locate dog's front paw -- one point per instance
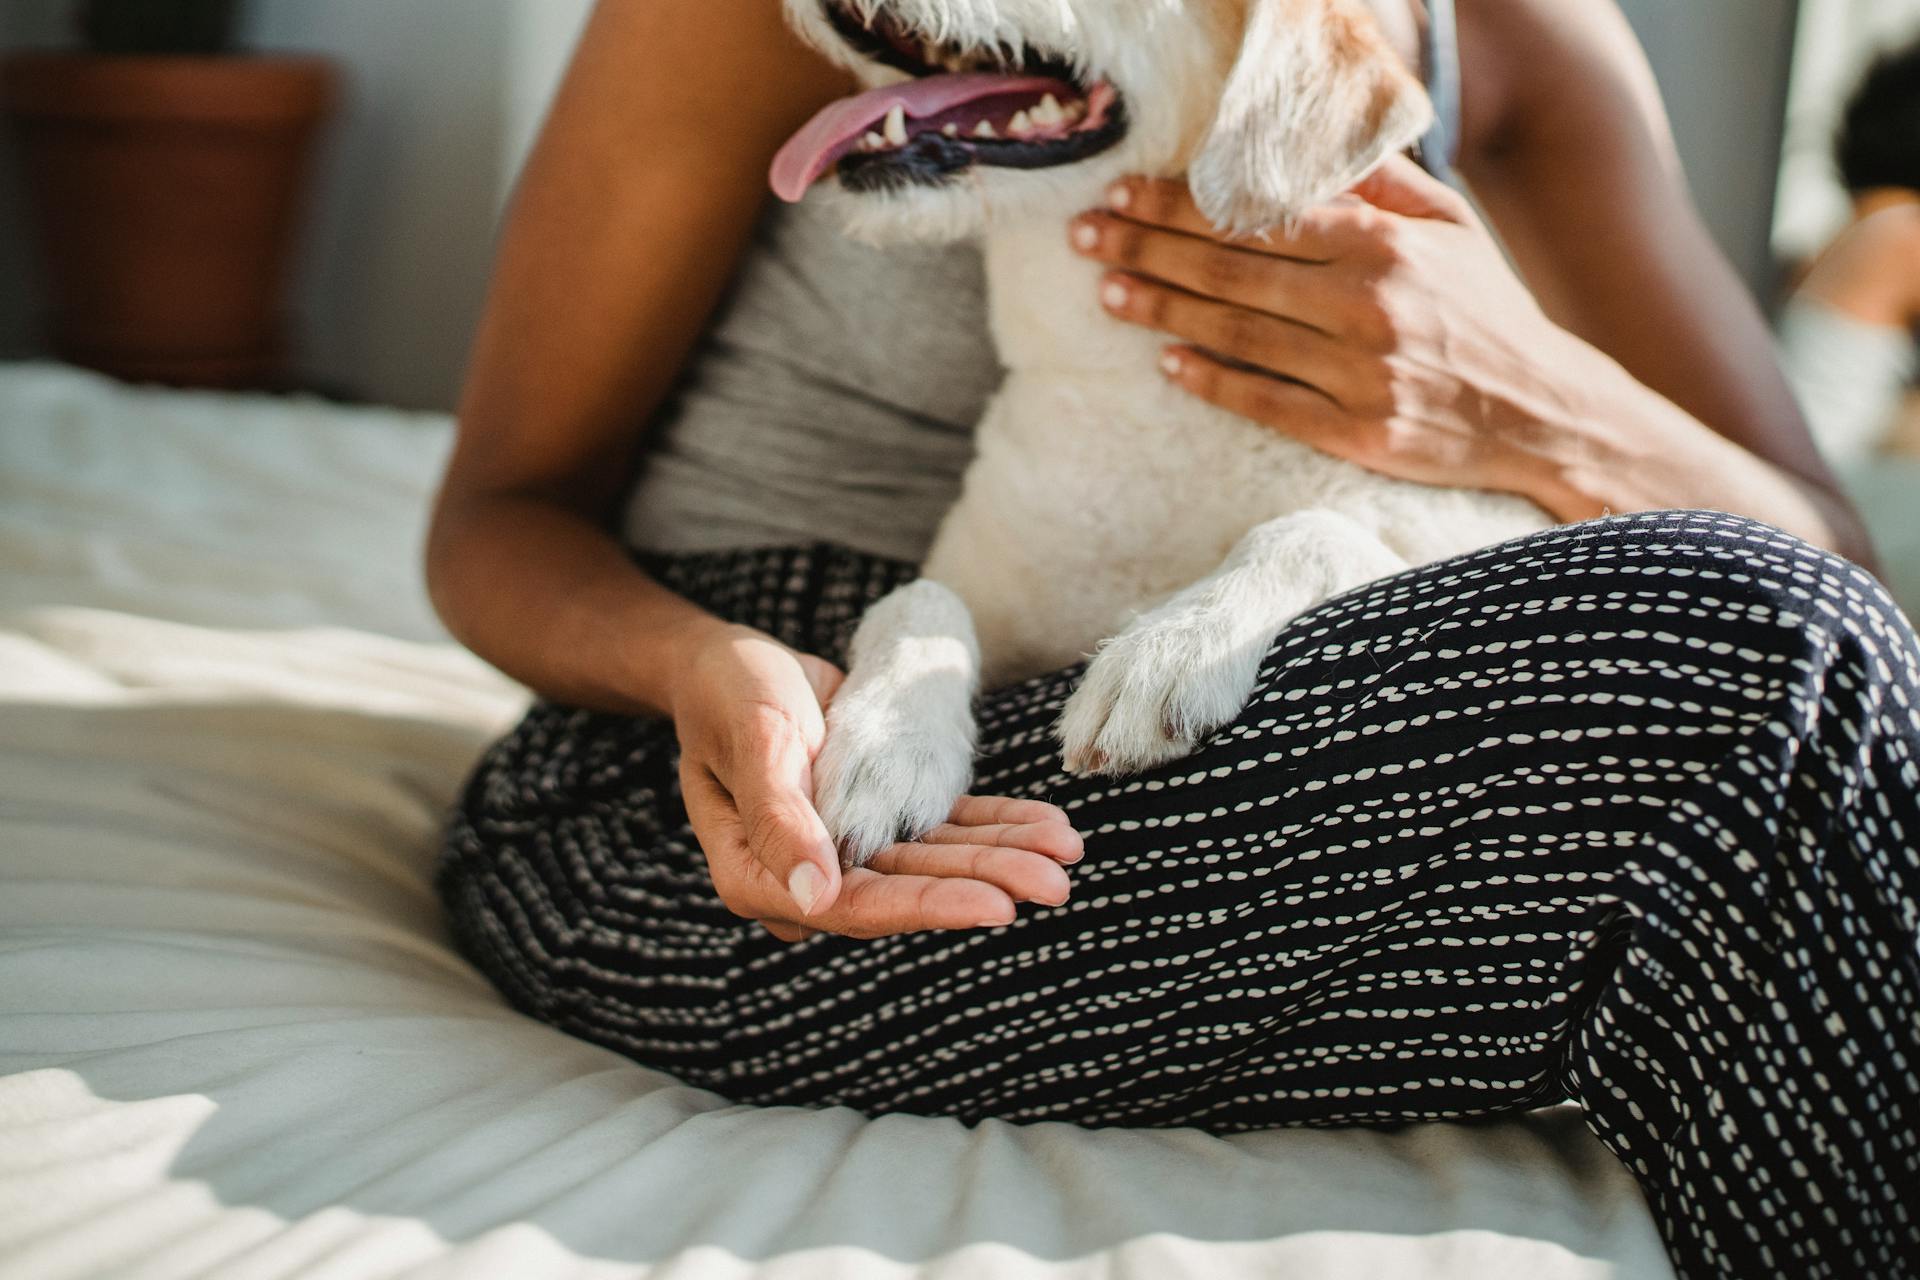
(883, 776)
(1155, 691)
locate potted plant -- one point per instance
(165, 174)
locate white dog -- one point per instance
(1103, 500)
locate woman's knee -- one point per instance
(1618, 586)
(1735, 576)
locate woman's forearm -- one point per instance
(555, 602)
(1624, 447)
(629, 218)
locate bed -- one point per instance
(234, 1040)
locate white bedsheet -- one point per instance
(234, 1040)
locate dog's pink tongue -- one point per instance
(831, 134)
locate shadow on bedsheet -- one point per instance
(222, 968)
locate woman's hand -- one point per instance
(750, 713)
(1385, 328)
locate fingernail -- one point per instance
(806, 884)
(1119, 196)
(1086, 236)
(1113, 294)
(1171, 364)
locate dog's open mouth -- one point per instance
(1009, 108)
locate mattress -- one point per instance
(234, 1040)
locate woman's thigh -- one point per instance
(1386, 892)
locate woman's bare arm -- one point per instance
(637, 201)
(1569, 149)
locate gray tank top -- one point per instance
(835, 394)
(833, 399)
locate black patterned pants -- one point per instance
(1623, 812)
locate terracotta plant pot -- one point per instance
(165, 193)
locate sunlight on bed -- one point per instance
(233, 1033)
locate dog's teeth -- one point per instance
(984, 130)
(1049, 111)
(950, 130)
(1021, 123)
(873, 142)
(896, 128)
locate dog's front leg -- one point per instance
(900, 731)
(1182, 670)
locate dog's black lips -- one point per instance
(932, 159)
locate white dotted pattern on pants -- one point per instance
(1624, 811)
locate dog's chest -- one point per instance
(1086, 414)
(1099, 488)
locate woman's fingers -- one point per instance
(1055, 840)
(1333, 230)
(747, 886)
(1021, 874)
(1018, 845)
(1254, 338)
(1303, 292)
(867, 904)
(980, 811)
(967, 873)
(1298, 411)
(746, 776)
(822, 676)
(752, 794)
(1032, 825)
(1160, 202)
(875, 904)
(758, 829)
(792, 852)
(1400, 186)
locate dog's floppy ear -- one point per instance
(1315, 99)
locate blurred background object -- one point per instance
(143, 27)
(443, 96)
(164, 179)
(440, 99)
(1849, 224)
(1835, 41)
(1847, 233)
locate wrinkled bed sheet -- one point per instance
(234, 1040)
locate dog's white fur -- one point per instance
(1104, 500)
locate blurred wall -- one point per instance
(446, 94)
(23, 23)
(396, 251)
(444, 97)
(1723, 67)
